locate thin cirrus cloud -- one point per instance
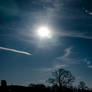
(50, 69)
(66, 54)
(88, 12)
(74, 35)
(90, 66)
(66, 58)
(14, 50)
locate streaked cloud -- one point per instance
(88, 12)
(74, 34)
(67, 52)
(57, 66)
(90, 66)
(68, 58)
(9, 8)
(14, 50)
(50, 69)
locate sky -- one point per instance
(26, 57)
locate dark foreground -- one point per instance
(40, 88)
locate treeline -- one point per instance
(61, 81)
(41, 88)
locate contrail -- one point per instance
(16, 51)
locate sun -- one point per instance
(44, 32)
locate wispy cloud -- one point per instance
(14, 50)
(90, 66)
(88, 12)
(57, 62)
(50, 69)
(57, 66)
(67, 52)
(68, 58)
(73, 34)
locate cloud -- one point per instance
(45, 69)
(14, 50)
(74, 34)
(57, 66)
(90, 66)
(57, 62)
(67, 52)
(88, 12)
(63, 61)
(50, 69)
(68, 58)
(54, 7)
(9, 8)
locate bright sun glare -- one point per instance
(44, 32)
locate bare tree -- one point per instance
(82, 85)
(61, 77)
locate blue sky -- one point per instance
(70, 46)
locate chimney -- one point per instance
(3, 83)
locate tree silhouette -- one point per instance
(82, 85)
(61, 77)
